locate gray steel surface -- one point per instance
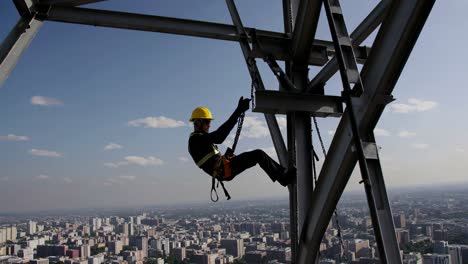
(392, 47)
(279, 102)
(305, 26)
(15, 43)
(362, 31)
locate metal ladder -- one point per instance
(366, 151)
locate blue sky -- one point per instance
(99, 117)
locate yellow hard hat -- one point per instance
(201, 113)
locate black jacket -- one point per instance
(201, 143)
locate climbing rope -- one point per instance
(337, 223)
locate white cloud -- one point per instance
(42, 177)
(112, 146)
(414, 105)
(420, 146)
(45, 153)
(45, 101)
(67, 180)
(406, 134)
(459, 149)
(119, 180)
(4, 178)
(12, 137)
(381, 132)
(156, 122)
(142, 161)
(136, 160)
(127, 177)
(183, 159)
(253, 127)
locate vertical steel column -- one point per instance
(15, 43)
(288, 29)
(302, 124)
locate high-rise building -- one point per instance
(179, 253)
(141, 243)
(436, 259)
(440, 235)
(441, 247)
(123, 229)
(455, 253)
(115, 246)
(31, 228)
(234, 247)
(3, 236)
(400, 220)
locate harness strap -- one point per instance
(207, 157)
(217, 176)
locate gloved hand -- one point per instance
(244, 104)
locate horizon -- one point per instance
(99, 116)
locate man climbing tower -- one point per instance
(205, 153)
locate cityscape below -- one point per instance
(431, 227)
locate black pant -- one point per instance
(249, 159)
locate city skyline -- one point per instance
(98, 116)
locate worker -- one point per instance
(202, 147)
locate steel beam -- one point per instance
(272, 42)
(15, 43)
(24, 7)
(392, 47)
(367, 26)
(304, 30)
(279, 102)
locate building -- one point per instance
(412, 258)
(233, 247)
(97, 259)
(356, 245)
(255, 257)
(455, 253)
(440, 235)
(26, 253)
(399, 220)
(436, 259)
(39, 261)
(44, 251)
(72, 253)
(31, 228)
(141, 243)
(440, 247)
(282, 255)
(115, 246)
(179, 253)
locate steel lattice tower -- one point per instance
(400, 23)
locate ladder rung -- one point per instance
(345, 41)
(353, 76)
(371, 150)
(336, 10)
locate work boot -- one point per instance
(288, 177)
